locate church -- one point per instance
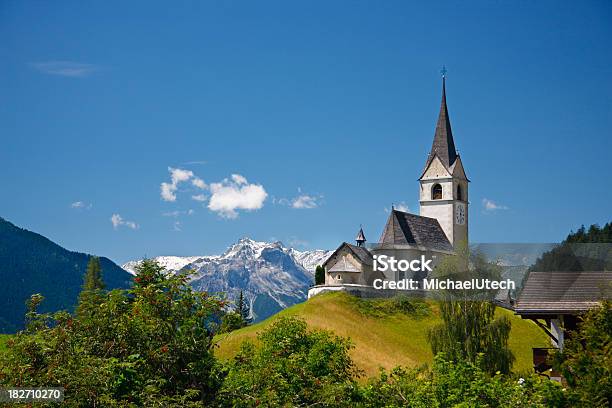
(438, 230)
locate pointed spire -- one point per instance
(361, 239)
(443, 144)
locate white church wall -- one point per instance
(443, 212)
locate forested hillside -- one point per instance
(584, 250)
(31, 263)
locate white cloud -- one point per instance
(177, 176)
(199, 197)
(177, 213)
(305, 201)
(65, 68)
(80, 205)
(177, 226)
(280, 201)
(490, 205)
(167, 192)
(302, 201)
(199, 183)
(118, 221)
(229, 196)
(238, 179)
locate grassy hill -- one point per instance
(384, 334)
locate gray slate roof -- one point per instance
(563, 292)
(443, 144)
(360, 236)
(361, 253)
(409, 229)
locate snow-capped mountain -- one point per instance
(271, 276)
(169, 263)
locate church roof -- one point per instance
(443, 144)
(360, 236)
(360, 253)
(409, 229)
(563, 292)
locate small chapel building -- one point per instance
(439, 229)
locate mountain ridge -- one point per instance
(32, 263)
(271, 275)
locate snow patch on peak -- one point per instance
(270, 275)
(169, 263)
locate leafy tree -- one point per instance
(292, 367)
(586, 359)
(319, 275)
(150, 345)
(231, 321)
(459, 383)
(243, 309)
(469, 330)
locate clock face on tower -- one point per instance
(460, 214)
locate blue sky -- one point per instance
(326, 106)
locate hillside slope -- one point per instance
(382, 339)
(31, 263)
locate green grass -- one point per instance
(386, 333)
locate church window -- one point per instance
(436, 192)
(459, 193)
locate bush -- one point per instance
(459, 384)
(292, 367)
(151, 343)
(586, 360)
(397, 304)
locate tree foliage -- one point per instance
(93, 286)
(146, 346)
(583, 250)
(319, 275)
(237, 318)
(291, 367)
(30, 263)
(459, 383)
(586, 359)
(152, 345)
(469, 330)
(243, 309)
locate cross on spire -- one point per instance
(443, 71)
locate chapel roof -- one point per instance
(403, 228)
(361, 253)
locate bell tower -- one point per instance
(443, 183)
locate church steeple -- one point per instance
(443, 144)
(360, 239)
(443, 191)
